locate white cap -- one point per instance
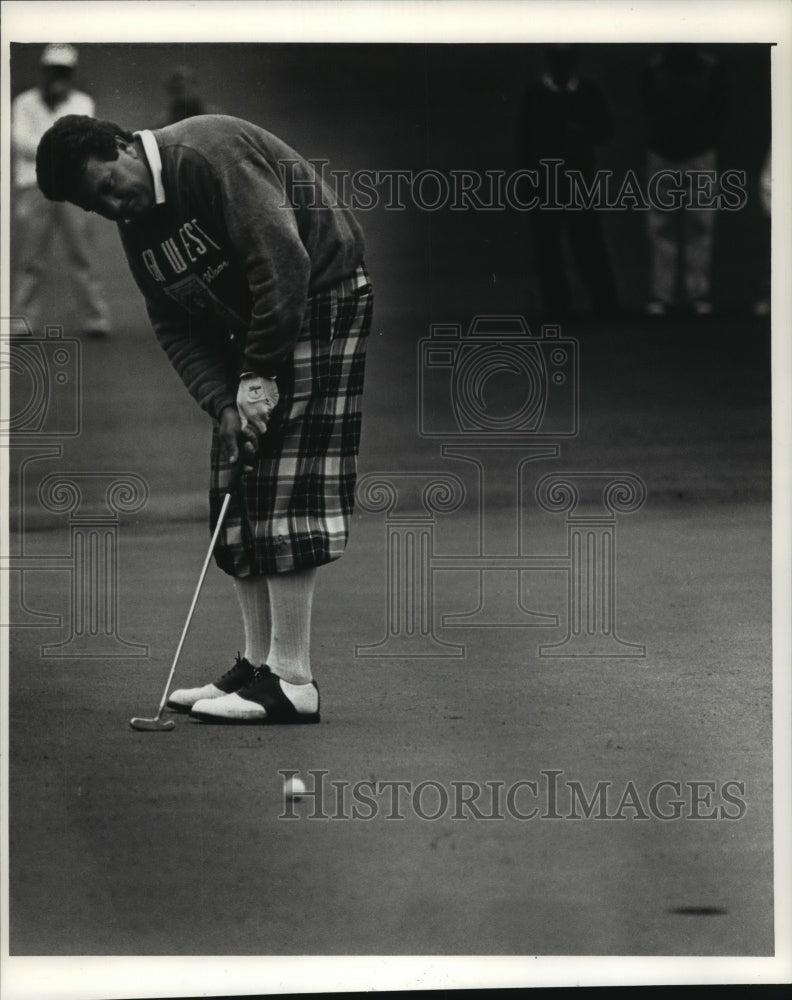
(59, 54)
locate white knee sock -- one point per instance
(253, 595)
(291, 603)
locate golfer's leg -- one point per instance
(284, 689)
(253, 595)
(254, 604)
(291, 604)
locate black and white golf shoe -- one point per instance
(239, 676)
(268, 700)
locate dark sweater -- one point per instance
(247, 232)
(685, 103)
(562, 124)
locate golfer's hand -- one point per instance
(232, 436)
(256, 399)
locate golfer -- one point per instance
(255, 286)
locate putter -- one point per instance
(158, 724)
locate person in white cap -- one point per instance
(38, 220)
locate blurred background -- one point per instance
(447, 107)
(682, 401)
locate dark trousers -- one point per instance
(582, 232)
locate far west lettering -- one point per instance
(187, 237)
(175, 259)
(209, 240)
(151, 265)
(191, 242)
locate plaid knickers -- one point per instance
(296, 504)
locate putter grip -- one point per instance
(235, 482)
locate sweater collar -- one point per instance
(151, 149)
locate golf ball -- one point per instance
(294, 788)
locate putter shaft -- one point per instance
(149, 725)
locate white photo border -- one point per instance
(487, 21)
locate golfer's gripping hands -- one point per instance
(256, 398)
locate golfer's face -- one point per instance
(117, 189)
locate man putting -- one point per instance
(255, 285)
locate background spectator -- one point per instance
(184, 99)
(39, 221)
(684, 98)
(762, 304)
(566, 117)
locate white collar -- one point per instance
(151, 149)
(571, 85)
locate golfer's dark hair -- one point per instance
(65, 148)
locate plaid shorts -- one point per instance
(293, 510)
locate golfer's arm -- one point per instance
(201, 371)
(263, 230)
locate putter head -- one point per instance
(152, 725)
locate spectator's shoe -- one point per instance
(239, 676)
(702, 307)
(656, 308)
(268, 700)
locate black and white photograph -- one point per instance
(395, 569)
